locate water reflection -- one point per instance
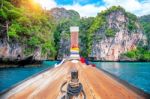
(136, 73)
(112, 66)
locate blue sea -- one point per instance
(11, 76)
(135, 73)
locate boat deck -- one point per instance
(96, 84)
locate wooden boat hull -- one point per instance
(96, 84)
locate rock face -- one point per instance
(64, 46)
(37, 53)
(64, 18)
(11, 51)
(124, 33)
(110, 48)
(63, 14)
(145, 21)
(14, 51)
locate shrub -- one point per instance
(109, 32)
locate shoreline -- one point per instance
(102, 60)
(13, 64)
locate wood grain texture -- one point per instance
(96, 84)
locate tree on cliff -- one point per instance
(29, 25)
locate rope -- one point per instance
(62, 91)
(73, 89)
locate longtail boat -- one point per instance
(73, 80)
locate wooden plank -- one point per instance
(96, 84)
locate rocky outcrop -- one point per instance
(64, 48)
(63, 14)
(118, 32)
(145, 22)
(14, 51)
(64, 18)
(110, 47)
(11, 51)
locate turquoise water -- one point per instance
(135, 73)
(11, 76)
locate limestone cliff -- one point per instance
(25, 30)
(15, 51)
(12, 50)
(61, 14)
(64, 46)
(64, 19)
(121, 32)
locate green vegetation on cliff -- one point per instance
(110, 32)
(132, 19)
(29, 25)
(101, 23)
(142, 52)
(62, 32)
(85, 24)
(145, 22)
(25, 22)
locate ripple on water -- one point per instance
(135, 73)
(11, 76)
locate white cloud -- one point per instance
(47, 4)
(86, 10)
(133, 6)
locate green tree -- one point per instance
(110, 33)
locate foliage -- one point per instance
(32, 26)
(141, 54)
(145, 18)
(62, 27)
(145, 21)
(3, 14)
(111, 9)
(33, 41)
(84, 26)
(14, 30)
(75, 17)
(100, 22)
(110, 33)
(132, 21)
(29, 24)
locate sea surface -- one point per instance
(12, 76)
(135, 73)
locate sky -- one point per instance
(88, 8)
